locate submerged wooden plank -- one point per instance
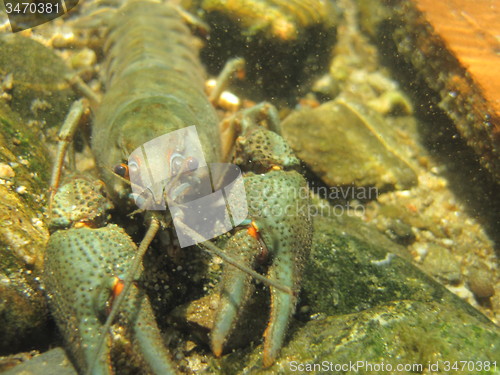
(454, 46)
(471, 32)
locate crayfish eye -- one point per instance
(176, 164)
(191, 163)
(133, 167)
(121, 170)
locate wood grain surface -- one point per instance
(470, 30)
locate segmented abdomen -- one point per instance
(147, 34)
(154, 83)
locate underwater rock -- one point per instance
(37, 87)
(451, 46)
(363, 272)
(344, 143)
(390, 335)
(361, 302)
(23, 233)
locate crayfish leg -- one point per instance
(286, 231)
(232, 68)
(84, 90)
(65, 136)
(240, 125)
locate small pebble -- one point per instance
(63, 39)
(6, 171)
(447, 242)
(421, 251)
(400, 232)
(37, 222)
(21, 189)
(84, 58)
(190, 345)
(7, 82)
(441, 263)
(229, 101)
(480, 283)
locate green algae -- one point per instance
(23, 234)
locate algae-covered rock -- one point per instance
(344, 143)
(423, 336)
(364, 303)
(347, 273)
(23, 234)
(22, 150)
(38, 90)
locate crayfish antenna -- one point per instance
(154, 226)
(79, 85)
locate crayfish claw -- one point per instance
(236, 289)
(81, 275)
(282, 308)
(280, 229)
(146, 334)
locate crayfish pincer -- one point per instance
(84, 262)
(278, 232)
